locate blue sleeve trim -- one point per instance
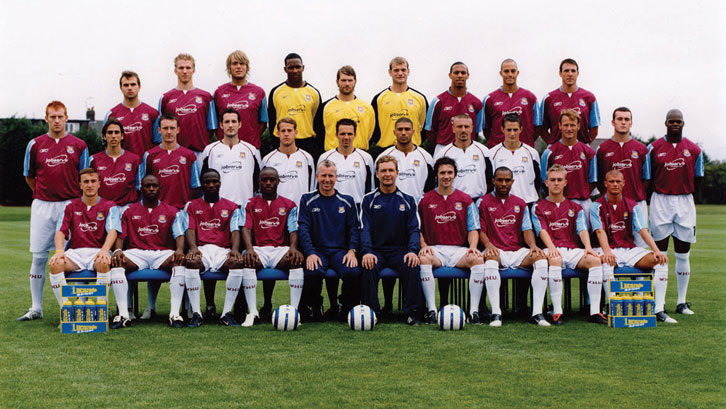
(430, 114)
(539, 111)
(472, 218)
(580, 223)
(699, 172)
(26, 160)
(234, 221)
(194, 176)
(526, 219)
(180, 224)
(592, 172)
(84, 161)
(479, 121)
(543, 164)
(595, 219)
(212, 116)
(535, 220)
(292, 220)
(483, 110)
(639, 222)
(594, 115)
(262, 117)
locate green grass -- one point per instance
(327, 365)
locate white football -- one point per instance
(362, 318)
(451, 318)
(285, 318)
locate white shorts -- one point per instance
(570, 257)
(270, 256)
(148, 258)
(83, 257)
(213, 256)
(585, 204)
(643, 207)
(673, 215)
(626, 257)
(449, 255)
(44, 217)
(512, 259)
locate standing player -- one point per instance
(509, 99)
(295, 167)
(90, 224)
(299, 100)
(676, 171)
(194, 107)
(51, 165)
(449, 238)
(560, 223)
(329, 236)
(398, 101)
(244, 97)
(506, 234)
(577, 158)
(154, 235)
(213, 238)
(616, 220)
(450, 103)
(472, 159)
(354, 166)
(269, 232)
(390, 237)
(118, 169)
(344, 105)
(137, 118)
(568, 96)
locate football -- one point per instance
(362, 318)
(451, 317)
(285, 318)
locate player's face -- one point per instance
(399, 73)
(346, 84)
(345, 135)
(130, 87)
(556, 182)
(674, 123)
(404, 133)
(569, 128)
(462, 129)
(511, 130)
(326, 178)
(150, 188)
(446, 176)
(569, 74)
(622, 122)
(287, 134)
(509, 73)
(230, 125)
(184, 71)
(113, 136)
(614, 185)
(268, 183)
(90, 184)
(503, 182)
(56, 119)
(169, 130)
(459, 74)
(211, 183)
(294, 69)
(387, 174)
(238, 70)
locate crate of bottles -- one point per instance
(631, 302)
(84, 309)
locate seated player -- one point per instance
(560, 222)
(390, 237)
(506, 233)
(152, 236)
(449, 238)
(269, 233)
(615, 220)
(328, 230)
(213, 238)
(90, 223)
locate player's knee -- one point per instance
(591, 261)
(427, 259)
(555, 261)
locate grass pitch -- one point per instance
(327, 365)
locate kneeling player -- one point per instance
(449, 237)
(616, 219)
(506, 229)
(154, 232)
(269, 232)
(213, 238)
(559, 222)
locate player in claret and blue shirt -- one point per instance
(329, 236)
(138, 119)
(119, 169)
(676, 172)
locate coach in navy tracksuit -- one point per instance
(328, 232)
(390, 237)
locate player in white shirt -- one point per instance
(354, 166)
(474, 169)
(416, 166)
(294, 165)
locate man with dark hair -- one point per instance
(118, 169)
(136, 117)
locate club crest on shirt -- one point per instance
(582, 102)
(298, 164)
(416, 162)
(198, 100)
(402, 207)
(360, 109)
(524, 159)
(162, 218)
(686, 153)
(571, 213)
(524, 101)
(144, 117)
(410, 101)
(341, 209)
(471, 108)
(634, 155)
(517, 209)
(476, 157)
(582, 155)
(281, 211)
(458, 206)
(70, 150)
(242, 155)
(183, 160)
(356, 164)
(128, 167)
(100, 216)
(224, 213)
(308, 98)
(251, 97)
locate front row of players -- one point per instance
(446, 229)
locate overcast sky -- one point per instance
(648, 55)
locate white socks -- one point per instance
(555, 281)
(607, 271)
(683, 274)
(296, 279)
(476, 286)
(233, 283)
(121, 290)
(56, 280)
(493, 281)
(37, 280)
(249, 282)
(429, 286)
(594, 288)
(660, 284)
(176, 287)
(102, 279)
(539, 285)
(194, 287)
